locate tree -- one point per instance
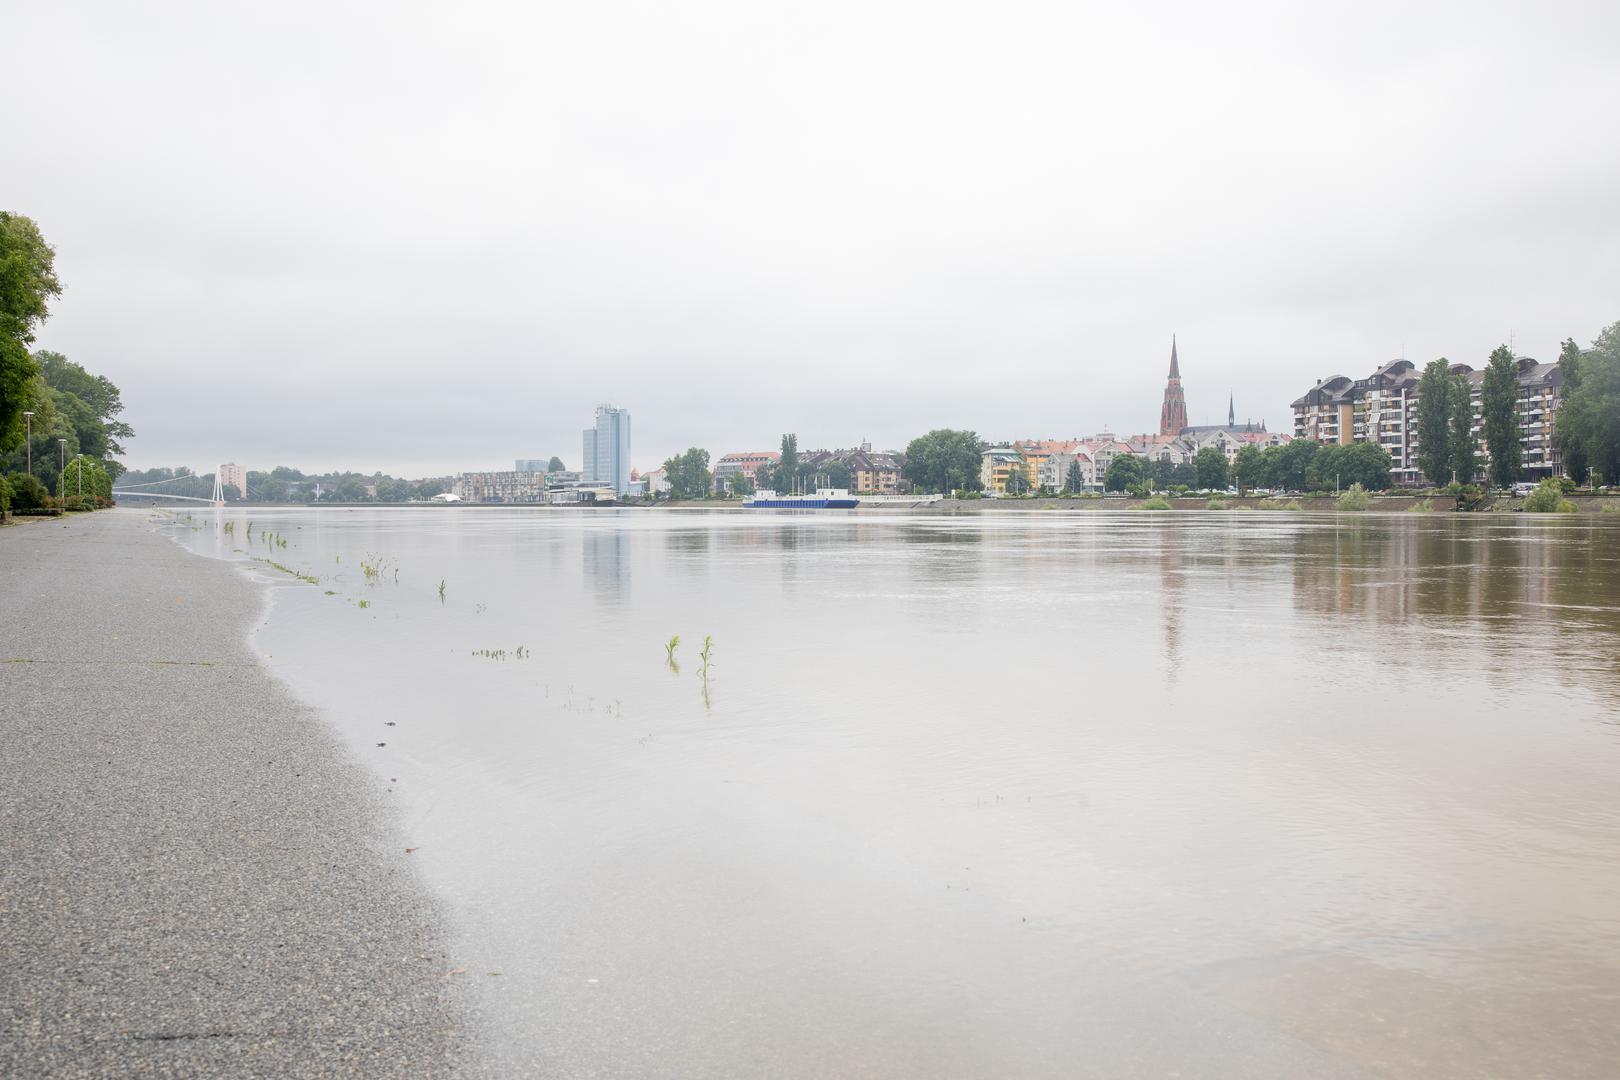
(1183, 475)
(1248, 467)
(1293, 465)
(1124, 473)
(1075, 481)
(86, 476)
(1212, 468)
(1018, 480)
(837, 474)
(763, 479)
(787, 467)
(1589, 417)
(1434, 421)
(1340, 467)
(688, 475)
(1499, 398)
(1573, 450)
(95, 404)
(944, 460)
(741, 485)
(1464, 462)
(555, 464)
(27, 283)
(1271, 465)
(27, 493)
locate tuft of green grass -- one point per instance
(1422, 506)
(441, 590)
(1215, 504)
(310, 578)
(1154, 503)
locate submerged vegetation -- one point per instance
(1356, 498)
(1548, 498)
(308, 578)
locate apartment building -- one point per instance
(744, 462)
(1382, 408)
(997, 464)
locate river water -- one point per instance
(997, 794)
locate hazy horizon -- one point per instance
(407, 240)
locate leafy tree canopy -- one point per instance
(1588, 424)
(944, 460)
(27, 284)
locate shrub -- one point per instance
(1422, 506)
(1154, 503)
(1548, 498)
(1357, 498)
(5, 495)
(27, 493)
(79, 503)
(1215, 504)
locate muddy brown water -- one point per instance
(1108, 794)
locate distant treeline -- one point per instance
(284, 484)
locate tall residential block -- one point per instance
(233, 475)
(607, 449)
(1383, 408)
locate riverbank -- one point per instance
(195, 876)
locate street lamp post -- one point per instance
(61, 469)
(28, 440)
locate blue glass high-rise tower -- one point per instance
(607, 449)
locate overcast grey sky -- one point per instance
(428, 238)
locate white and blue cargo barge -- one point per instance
(823, 499)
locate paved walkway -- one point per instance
(195, 879)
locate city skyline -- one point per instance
(994, 224)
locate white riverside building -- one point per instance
(607, 449)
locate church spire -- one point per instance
(1173, 413)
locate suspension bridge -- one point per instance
(135, 491)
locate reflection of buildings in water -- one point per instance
(605, 559)
(1172, 556)
(1520, 592)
